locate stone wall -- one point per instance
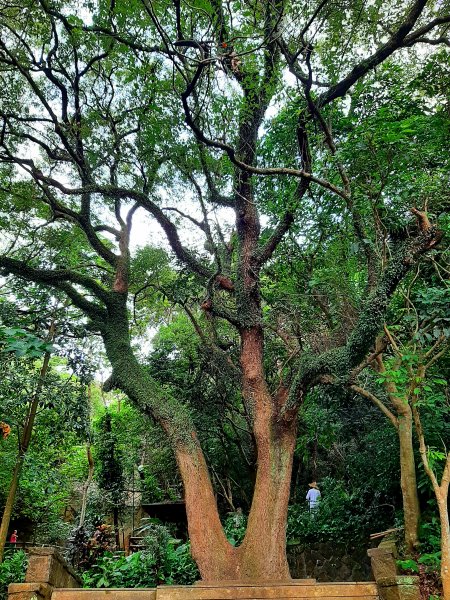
(327, 561)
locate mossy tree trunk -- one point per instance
(262, 554)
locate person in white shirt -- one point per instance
(313, 495)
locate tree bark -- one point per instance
(262, 554)
(442, 499)
(408, 479)
(216, 558)
(263, 551)
(116, 526)
(6, 518)
(441, 493)
(403, 423)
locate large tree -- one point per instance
(118, 111)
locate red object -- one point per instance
(13, 538)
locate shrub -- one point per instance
(12, 570)
(342, 516)
(165, 560)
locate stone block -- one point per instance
(46, 565)
(383, 563)
(29, 591)
(400, 587)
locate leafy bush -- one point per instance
(341, 516)
(86, 548)
(165, 560)
(12, 570)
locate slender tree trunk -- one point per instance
(86, 485)
(6, 518)
(408, 480)
(441, 493)
(445, 544)
(116, 526)
(24, 444)
(403, 423)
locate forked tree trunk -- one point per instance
(262, 555)
(403, 423)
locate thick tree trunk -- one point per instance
(408, 480)
(262, 555)
(216, 558)
(263, 551)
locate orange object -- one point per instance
(5, 429)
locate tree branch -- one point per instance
(54, 277)
(396, 41)
(339, 362)
(384, 409)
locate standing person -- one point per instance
(13, 538)
(313, 495)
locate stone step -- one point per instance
(300, 590)
(279, 591)
(104, 594)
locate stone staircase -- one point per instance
(136, 543)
